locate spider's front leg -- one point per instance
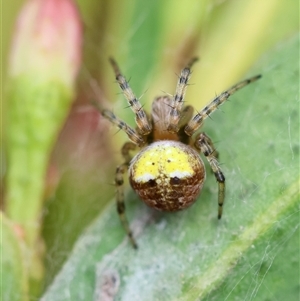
(119, 181)
(205, 145)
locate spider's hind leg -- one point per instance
(205, 145)
(119, 181)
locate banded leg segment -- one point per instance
(198, 119)
(140, 115)
(178, 98)
(119, 181)
(205, 145)
(131, 133)
(125, 151)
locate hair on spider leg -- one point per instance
(129, 106)
(119, 93)
(167, 93)
(168, 105)
(208, 115)
(191, 84)
(128, 80)
(142, 95)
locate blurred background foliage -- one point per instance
(152, 41)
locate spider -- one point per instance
(167, 173)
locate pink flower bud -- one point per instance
(45, 59)
(47, 40)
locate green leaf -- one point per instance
(33, 105)
(14, 279)
(252, 253)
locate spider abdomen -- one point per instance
(167, 175)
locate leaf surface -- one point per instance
(252, 253)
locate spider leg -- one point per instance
(205, 145)
(178, 97)
(198, 119)
(131, 133)
(140, 116)
(119, 181)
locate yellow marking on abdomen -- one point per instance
(166, 158)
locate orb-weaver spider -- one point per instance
(167, 173)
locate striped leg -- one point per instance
(119, 181)
(205, 145)
(131, 133)
(178, 98)
(141, 118)
(198, 119)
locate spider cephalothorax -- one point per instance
(167, 173)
